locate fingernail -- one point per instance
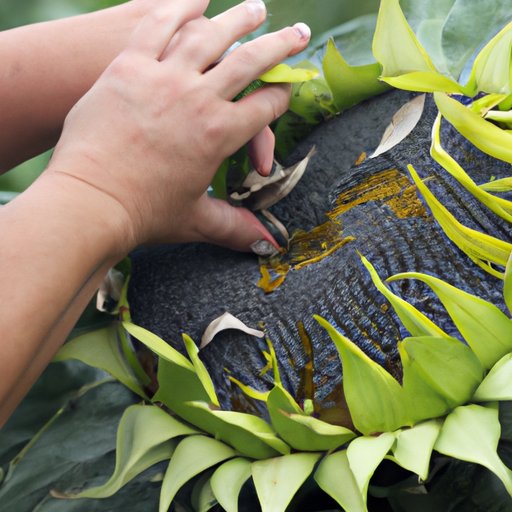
(303, 30)
(263, 248)
(256, 7)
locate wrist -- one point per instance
(95, 220)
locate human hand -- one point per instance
(151, 133)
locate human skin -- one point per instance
(132, 166)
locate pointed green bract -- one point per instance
(507, 285)
(227, 481)
(374, 398)
(394, 44)
(485, 250)
(143, 439)
(498, 205)
(250, 435)
(200, 369)
(471, 433)
(413, 448)
(414, 321)
(158, 345)
(492, 69)
(192, 456)
(202, 497)
(447, 366)
(101, 349)
(300, 431)
(421, 400)
(497, 384)
(350, 84)
(364, 456)
(277, 480)
(484, 135)
(425, 81)
(484, 327)
(335, 478)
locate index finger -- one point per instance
(156, 29)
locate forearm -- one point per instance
(47, 67)
(50, 269)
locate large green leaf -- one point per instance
(76, 450)
(192, 456)
(143, 439)
(277, 480)
(299, 430)
(471, 433)
(227, 481)
(101, 349)
(427, 20)
(335, 477)
(375, 399)
(507, 285)
(484, 327)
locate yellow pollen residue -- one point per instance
(361, 158)
(390, 187)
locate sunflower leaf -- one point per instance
(484, 327)
(497, 384)
(143, 439)
(336, 479)
(227, 481)
(414, 446)
(101, 349)
(192, 456)
(471, 433)
(375, 399)
(277, 480)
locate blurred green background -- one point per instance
(321, 15)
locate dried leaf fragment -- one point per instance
(224, 322)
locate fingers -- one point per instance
(252, 59)
(153, 33)
(261, 151)
(202, 42)
(220, 223)
(249, 116)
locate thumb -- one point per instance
(222, 224)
